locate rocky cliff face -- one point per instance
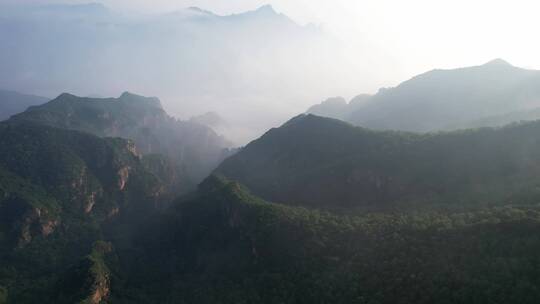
(123, 177)
(49, 174)
(34, 222)
(89, 280)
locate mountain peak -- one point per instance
(65, 95)
(266, 8)
(127, 95)
(497, 62)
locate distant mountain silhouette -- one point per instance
(12, 103)
(449, 99)
(337, 107)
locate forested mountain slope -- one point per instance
(196, 149)
(61, 191)
(322, 162)
(227, 246)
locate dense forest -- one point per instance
(223, 245)
(227, 246)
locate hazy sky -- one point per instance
(417, 35)
(386, 41)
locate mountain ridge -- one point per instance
(196, 149)
(445, 99)
(311, 160)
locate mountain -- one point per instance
(450, 99)
(327, 163)
(84, 220)
(195, 149)
(12, 103)
(61, 193)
